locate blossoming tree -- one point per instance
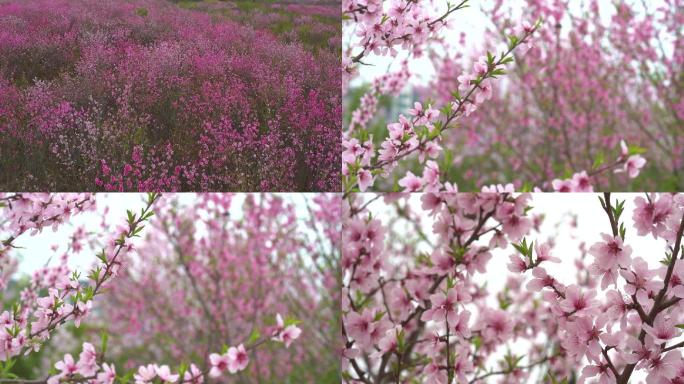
(417, 307)
(207, 275)
(179, 306)
(599, 72)
(474, 124)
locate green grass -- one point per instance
(245, 10)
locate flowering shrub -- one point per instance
(564, 117)
(228, 272)
(197, 299)
(417, 307)
(144, 95)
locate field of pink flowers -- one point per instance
(146, 95)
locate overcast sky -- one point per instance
(37, 251)
(473, 22)
(557, 209)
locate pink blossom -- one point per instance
(107, 375)
(360, 326)
(602, 370)
(562, 185)
(495, 325)
(444, 307)
(663, 367)
(287, 334)
(219, 364)
(87, 363)
(578, 302)
(237, 358)
(411, 182)
(633, 165)
(663, 329)
(165, 374)
(517, 264)
(650, 216)
(67, 367)
(193, 375)
(365, 179)
(541, 280)
(610, 255)
(581, 182)
(640, 280)
(543, 252)
(290, 334)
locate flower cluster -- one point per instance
(90, 368)
(33, 318)
(628, 324)
(421, 130)
(417, 314)
(417, 305)
(86, 367)
(571, 99)
(381, 31)
(234, 360)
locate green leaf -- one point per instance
(102, 257)
(401, 339)
(125, 379)
(182, 369)
(620, 207)
(131, 216)
(527, 187)
(603, 202)
(498, 72)
(104, 337)
(598, 161)
(525, 249)
(254, 336)
(512, 41)
(477, 342)
(503, 303)
(635, 150)
(95, 273)
(506, 60)
(293, 321)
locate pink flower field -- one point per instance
(153, 95)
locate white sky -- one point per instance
(37, 251)
(557, 209)
(555, 206)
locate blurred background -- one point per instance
(598, 72)
(209, 270)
